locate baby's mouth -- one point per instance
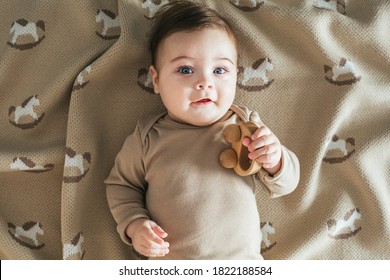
(203, 101)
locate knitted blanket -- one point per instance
(74, 82)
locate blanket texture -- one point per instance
(74, 82)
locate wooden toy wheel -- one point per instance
(232, 133)
(228, 158)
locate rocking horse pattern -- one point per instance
(25, 116)
(152, 6)
(26, 34)
(247, 5)
(27, 235)
(267, 229)
(81, 80)
(144, 80)
(111, 25)
(74, 249)
(257, 77)
(76, 165)
(331, 5)
(26, 164)
(344, 73)
(339, 150)
(346, 227)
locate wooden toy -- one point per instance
(236, 157)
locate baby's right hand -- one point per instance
(147, 238)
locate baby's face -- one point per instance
(196, 74)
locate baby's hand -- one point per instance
(265, 147)
(147, 238)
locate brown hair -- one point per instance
(184, 15)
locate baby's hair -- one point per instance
(185, 15)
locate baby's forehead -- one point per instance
(193, 32)
(197, 46)
(215, 28)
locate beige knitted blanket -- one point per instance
(73, 83)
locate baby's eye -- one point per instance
(219, 70)
(185, 70)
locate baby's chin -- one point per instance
(200, 115)
(197, 121)
(204, 121)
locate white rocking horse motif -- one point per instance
(76, 161)
(148, 82)
(332, 5)
(266, 230)
(22, 27)
(29, 230)
(26, 164)
(346, 227)
(110, 20)
(27, 109)
(259, 70)
(80, 79)
(153, 6)
(253, 5)
(339, 145)
(345, 67)
(145, 80)
(74, 248)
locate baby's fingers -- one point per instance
(152, 236)
(152, 246)
(261, 131)
(263, 141)
(153, 252)
(269, 160)
(159, 231)
(264, 150)
(246, 141)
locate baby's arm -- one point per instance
(126, 189)
(265, 147)
(280, 173)
(148, 238)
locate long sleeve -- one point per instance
(126, 186)
(286, 180)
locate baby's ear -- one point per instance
(154, 75)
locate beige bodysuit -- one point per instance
(170, 172)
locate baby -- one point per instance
(167, 191)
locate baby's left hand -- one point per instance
(265, 147)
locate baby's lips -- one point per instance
(203, 101)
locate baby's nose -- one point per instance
(204, 83)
